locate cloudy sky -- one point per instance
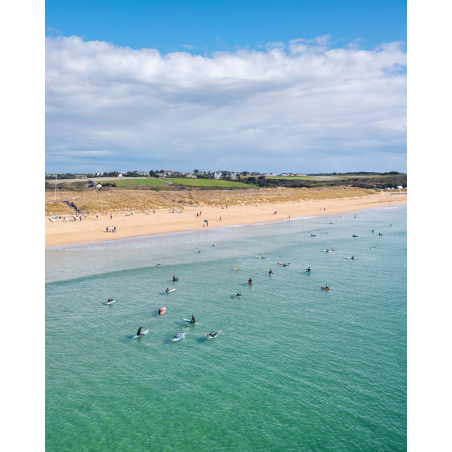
(309, 104)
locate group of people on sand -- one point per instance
(110, 229)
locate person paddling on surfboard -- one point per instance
(139, 331)
(192, 319)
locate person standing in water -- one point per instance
(192, 319)
(270, 272)
(139, 331)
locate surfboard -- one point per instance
(110, 302)
(169, 291)
(182, 336)
(217, 333)
(143, 332)
(188, 320)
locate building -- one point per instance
(217, 175)
(399, 187)
(160, 174)
(301, 174)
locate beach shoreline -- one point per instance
(92, 229)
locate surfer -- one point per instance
(139, 331)
(192, 319)
(352, 257)
(250, 281)
(159, 265)
(174, 278)
(326, 287)
(167, 290)
(308, 270)
(110, 299)
(238, 294)
(270, 272)
(262, 257)
(210, 334)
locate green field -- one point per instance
(209, 182)
(134, 182)
(292, 177)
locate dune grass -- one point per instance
(104, 201)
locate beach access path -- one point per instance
(92, 229)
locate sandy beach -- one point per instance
(93, 229)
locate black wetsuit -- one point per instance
(139, 331)
(192, 319)
(174, 279)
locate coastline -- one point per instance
(92, 229)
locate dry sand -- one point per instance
(91, 229)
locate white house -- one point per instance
(217, 175)
(399, 187)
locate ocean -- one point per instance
(295, 368)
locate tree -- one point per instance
(195, 171)
(245, 173)
(152, 173)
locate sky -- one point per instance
(270, 86)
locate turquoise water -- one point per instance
(295, 367)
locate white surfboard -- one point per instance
(182, 336)
(172, 290)
(110, 302)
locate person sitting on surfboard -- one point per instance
(174, 278)
(167, 290)
(270, 272)
(139, 331)
(250, 281)
(352, 257)
(327, 288)
(308, 270)
(239, 295)
(192, 319)
(110, 299)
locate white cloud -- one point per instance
(307, 108)
(187, 46)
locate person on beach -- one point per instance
(139, 331)
(192, 319)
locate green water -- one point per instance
(295, 367)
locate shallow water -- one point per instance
(294, 368)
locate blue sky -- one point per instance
(211, 25)
(278, 85)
